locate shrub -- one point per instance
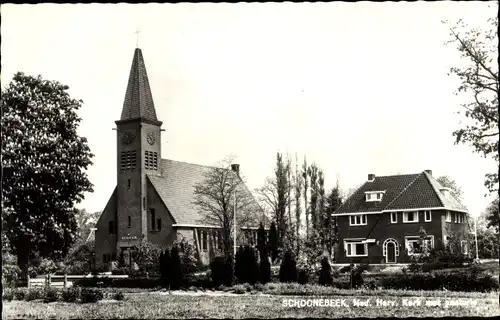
(345, 269)
(11, 274)
(119, 296)
(70, 294)
(8, 294)
(147, 257)
(90, 295)
(357, 275)
(20, 293)
(188, 257)
(303, 277)
(51, 294)
(288, 268)
(325, 276)
(221, 271)
(119, 271)
(34, 293)
(176, 274)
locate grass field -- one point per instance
(149, 305)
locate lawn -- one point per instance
(149, 305)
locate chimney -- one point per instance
(236, 168)
(371, 177)
(429, 172)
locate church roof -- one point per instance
(138, 103)
(176, 188)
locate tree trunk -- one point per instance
(23, 257)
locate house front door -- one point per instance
(391, 252)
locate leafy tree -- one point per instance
(493, 214)
(272, 243)
(281, 172)
(44, 164)
(221, 270)
(188, 256)
(333, 202)
(312, 171)
(322, 219)
(298, 190)
(85, 222)
(478, 75)
(455, 190)
(306, 186)
(214, 198)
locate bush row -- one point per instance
(51, 294)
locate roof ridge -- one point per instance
(195, 164)
(402, 191)
(434, 189)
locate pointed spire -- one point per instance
(138, 98)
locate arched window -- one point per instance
(384, 247)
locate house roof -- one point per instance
(138, 101)
(176, 188)
(402, 192)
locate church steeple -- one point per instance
(138, 103)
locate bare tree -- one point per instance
(214, 197)
(298, 190)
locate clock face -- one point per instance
(151, 138)
(128, 137)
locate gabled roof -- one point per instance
(138, 103)
(176, 188)
(402, 192)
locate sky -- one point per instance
(357, 88)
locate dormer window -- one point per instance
(374, 195)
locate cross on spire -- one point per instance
(137, 40)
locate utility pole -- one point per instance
(475, 238)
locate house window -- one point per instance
(448, 216)
(143, 202)
(111, 227)
(464, 247)
(158, 224)
(357, 220)
(455, 217)
(129, 222)
(374, 195)
(128, 160)
(428, 216)
(411, 216)
(151, 160)
(460, 217)
(394, 217)
(415, 245)
(356, 248)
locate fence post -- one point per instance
(65, 280)
(29, 280)
(48, 278)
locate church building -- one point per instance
(153, 198)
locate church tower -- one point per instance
(138, 154)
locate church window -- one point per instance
(128, 160)
(204, 235)
(129, 221)
(153, 218)
(144, 202)
(158, 224)
(151, 160)
(128, 185)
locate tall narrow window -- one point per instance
(128, 184)
(158, 224)
(448, 216)
(144, 202)
(428, 216)
(394, 217)
(153, 218)
(129, 221)
(205, 244)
